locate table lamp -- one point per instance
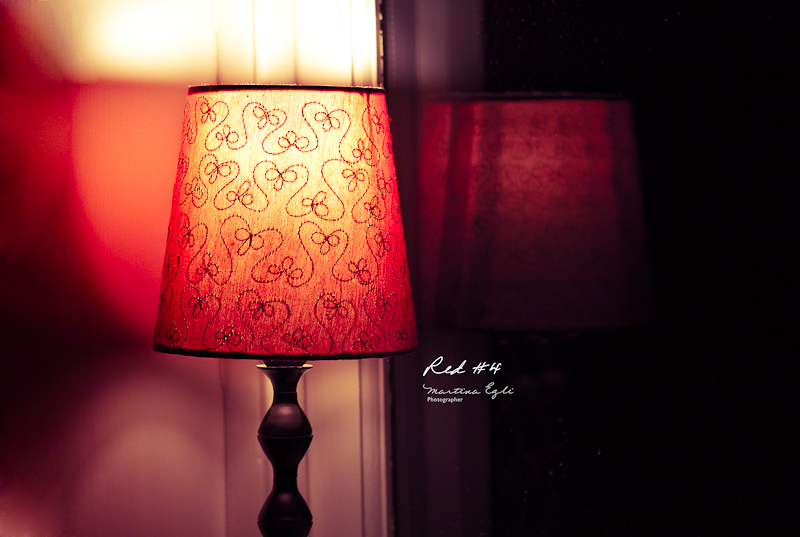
(285, 244)
(533, 213)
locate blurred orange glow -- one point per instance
(320, 42)
(149, 40)
(323, 41)
(125, 142)
(141, 40)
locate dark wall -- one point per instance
(711, 89)
(700, 409)
(684, 426)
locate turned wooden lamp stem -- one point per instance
(284, 435)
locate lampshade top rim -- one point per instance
(210, 88)
(245, 356)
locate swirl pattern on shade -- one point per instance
(285, 237)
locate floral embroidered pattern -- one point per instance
(281, 241)
(297, 340)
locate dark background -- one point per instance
(685, 426)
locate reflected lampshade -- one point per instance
(532, 214)
(285, 238)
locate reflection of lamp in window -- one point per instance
(285, 244)
(533, 230)
(534, 215)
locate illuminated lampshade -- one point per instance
(533, 212)
(285, 237)
(285, 244)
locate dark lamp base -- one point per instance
(284, 530)
(285, 435)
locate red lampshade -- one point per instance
(285, 237)
(532, 214)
